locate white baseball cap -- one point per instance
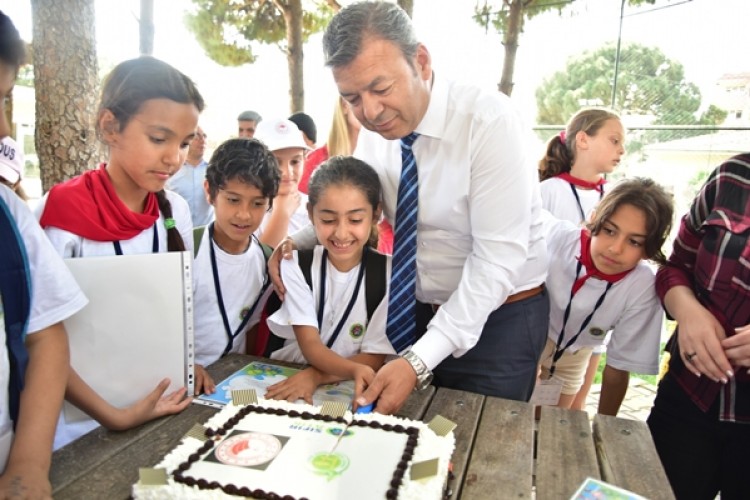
(280, 133)
(11, 160)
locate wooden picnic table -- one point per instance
(501, 452)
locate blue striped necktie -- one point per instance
(401, 326)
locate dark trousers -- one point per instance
(701, 455)
(504, 361)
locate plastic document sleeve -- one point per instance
(137, 328)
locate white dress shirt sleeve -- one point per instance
(502, 205)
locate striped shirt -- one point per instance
(711, 256)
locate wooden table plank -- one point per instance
(463, 408)
(97, 457)
(628, 458)
(417, 404)
(565, 453)
(503, 456)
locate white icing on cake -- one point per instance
(304, 458)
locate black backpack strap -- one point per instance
(15, 288)
(304, 258)
(375, 274)
(374, 281)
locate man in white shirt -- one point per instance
(481, 259)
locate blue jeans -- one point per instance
(504, 361)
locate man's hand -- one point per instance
(301, 385)
(204, 383)
(283, 251)
(391, 387)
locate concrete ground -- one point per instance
(636, 405)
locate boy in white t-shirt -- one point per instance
(230, 279)
(289, 212)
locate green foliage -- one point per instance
(648, 84)
(488, 14)
(227, 29)
(495, 12)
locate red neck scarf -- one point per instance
(598, 185)
(89, 207)
(588, 264)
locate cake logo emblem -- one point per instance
(337, 432)
(248, 449)
(328, 464)
(357, 330)
(244, 312)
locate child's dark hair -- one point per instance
(652, 199)
(347, 170)
(136, 81)
(247, 160)
(12, 48)
(131, 84)
(561, 151)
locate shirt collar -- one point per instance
(433, 122)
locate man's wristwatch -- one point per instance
(424, 375)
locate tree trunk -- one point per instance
(510, 42)
(66, 88)
(408, 6)
(146, 28)
(292, 12)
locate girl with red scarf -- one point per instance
(599, 283)
(572, 175)
(147, 117)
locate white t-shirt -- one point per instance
(299, 219)
(300, 307)
(631, 309)
(241, 278)
(70, 245)
(558, 199)
(55, 294)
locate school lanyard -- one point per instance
(219, 297)
(352, 300)
(578, 199)
(559, 352)
(118, 248)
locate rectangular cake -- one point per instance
(287, 451)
